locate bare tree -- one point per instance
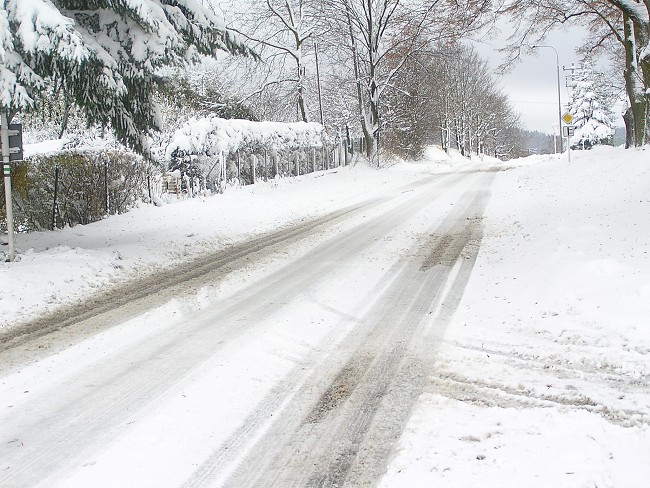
(280, 30)
(382, 35)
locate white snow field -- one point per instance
(538, 374)
(543, 374)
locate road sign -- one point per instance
(567, 117)
(15, 134)
(568, 130)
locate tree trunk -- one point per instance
(635, 92)
(66, 113)
(365, 128)
(303, 114)
(628, 119)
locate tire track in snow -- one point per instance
(350, 426)
(304, 372)
(58, 329)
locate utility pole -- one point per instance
(4, 138)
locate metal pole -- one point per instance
(320, 99)
(4, 134)
(56, 191)
(106, 203)
(559, 99)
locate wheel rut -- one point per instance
(342, 418)
(61, 328)
(334, 417)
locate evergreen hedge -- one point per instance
(91, 185)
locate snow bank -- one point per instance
(461, 445)
(542, 374)
(435, 153)
(212, 135)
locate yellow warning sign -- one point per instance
(567, 117)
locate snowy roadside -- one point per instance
(61, 267)
(542, 377)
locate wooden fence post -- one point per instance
(274, 156)
(266, 164)
(223, 171)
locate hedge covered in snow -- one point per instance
(92, 182)
(212, 135)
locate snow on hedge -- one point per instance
(211, 135)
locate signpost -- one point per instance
(568, 131)
(12, 150)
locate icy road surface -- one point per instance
(303, 372)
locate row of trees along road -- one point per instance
(447, 96)
(388, 68)
(364, 47)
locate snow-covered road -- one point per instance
(307, 368)
(344, 328)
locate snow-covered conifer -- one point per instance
(108, 54)
(591, 108)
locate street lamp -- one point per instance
(559, 102)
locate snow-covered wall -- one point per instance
(212, 135)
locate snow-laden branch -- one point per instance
(110, 57)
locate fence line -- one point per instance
(246, 167)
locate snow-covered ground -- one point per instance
(542, 375)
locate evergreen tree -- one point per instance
(591, 108)
(107, 54)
